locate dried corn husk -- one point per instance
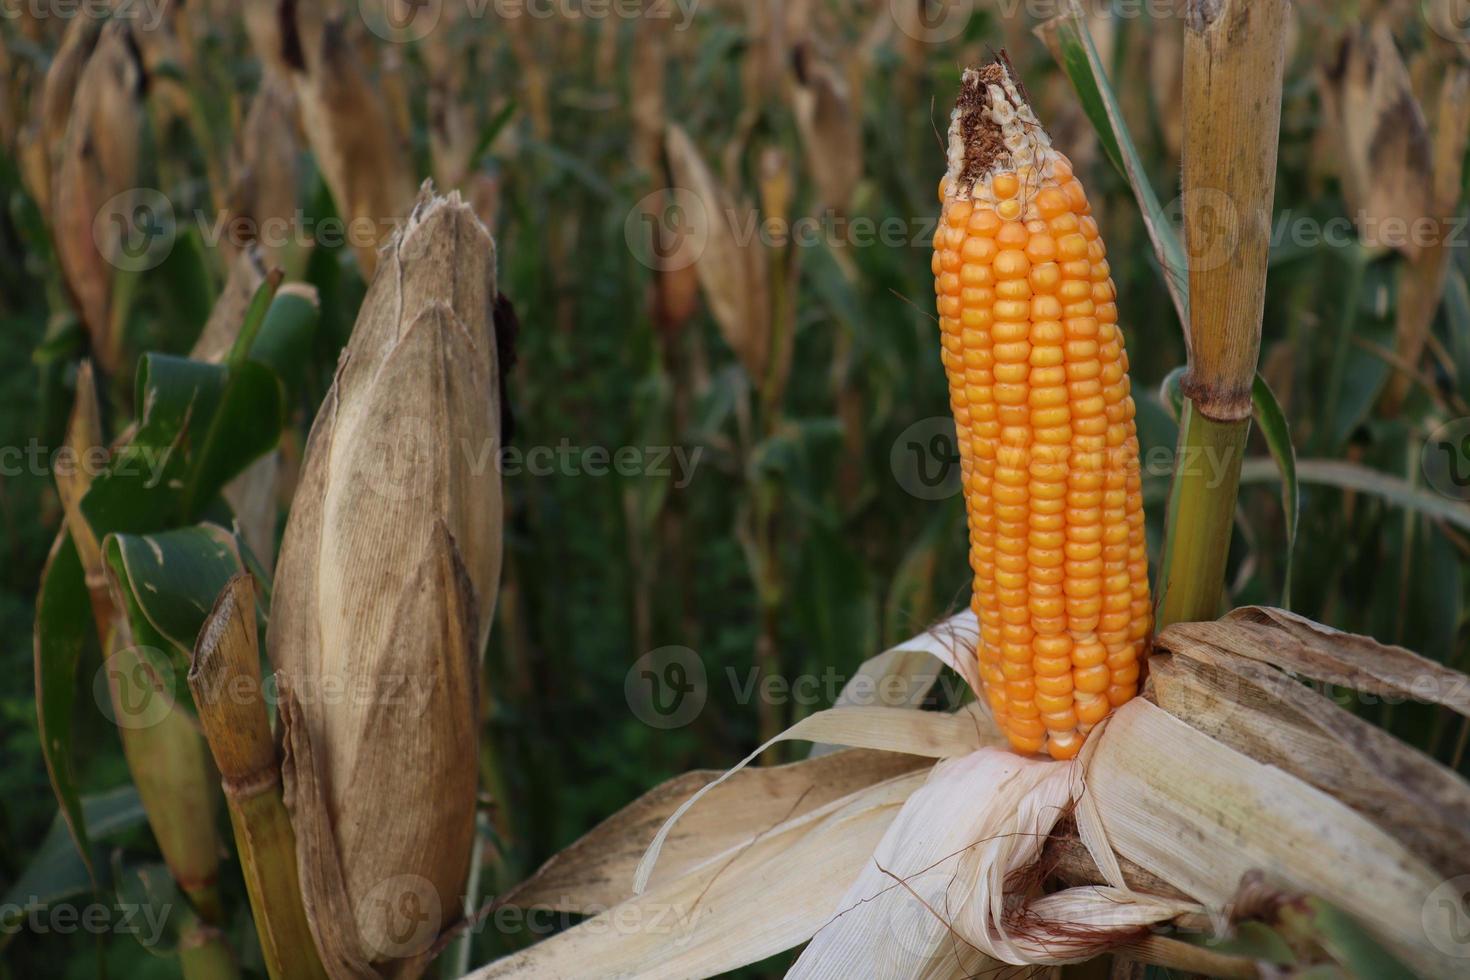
(1383, 139)
(831, 131)
(356, 142)
(1181, 810)
(266, 176)
(732, 264)
(385, 586)
(97, 160)
(1421, 281)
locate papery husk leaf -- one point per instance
(596, 872)
(1275, 719)
(736, 908)
(386, 584)
(948, 889)
(925, 733)
(902, 676)
(62, 75)
(1299, 645)
(1201, 815)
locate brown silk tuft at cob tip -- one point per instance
(1038, 382)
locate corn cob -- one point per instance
(1038, 383)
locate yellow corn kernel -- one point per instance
(1045, 422)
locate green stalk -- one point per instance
(1201, 517)
(170, 768)
(225, 680)
(204, 954)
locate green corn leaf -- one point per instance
(64, 632)
(56, 870)
(1272, 424)
(1078, 57)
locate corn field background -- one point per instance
(732, 475)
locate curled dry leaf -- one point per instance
(385, 588)
(1201, 815)
(96, 162)
(731, 262)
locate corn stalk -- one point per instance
(225, 680)
(1234, 55)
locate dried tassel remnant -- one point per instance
(384, 593)
(1049, 456)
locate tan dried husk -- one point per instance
(733, 272)
(266, 175)
(1383, 140)
(1225, 768)
(831, 130)
(386, 584)
(357, 143)
(97, 159)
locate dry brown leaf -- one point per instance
(84, 439)
(1297, 644)
(227, 316)
(596, 872)
(1421, 281)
